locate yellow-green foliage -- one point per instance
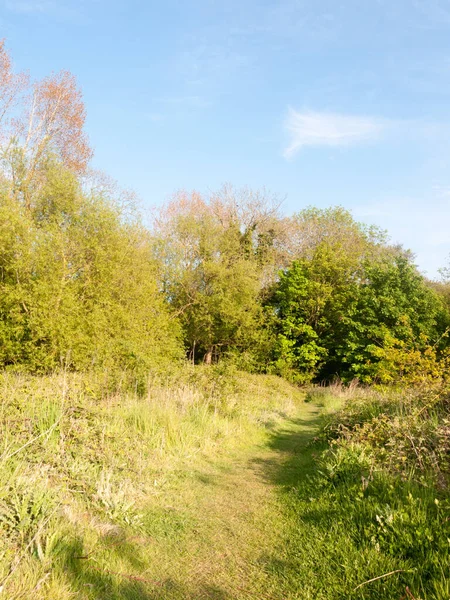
(78, 283)
(399, 362)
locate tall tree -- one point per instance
(78, 283)
(373, 318)
(216, 253)
(39, 121)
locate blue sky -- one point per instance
(322, 101)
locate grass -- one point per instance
(367, 502)
(107, 493)
(218, 484)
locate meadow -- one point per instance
(220, 484)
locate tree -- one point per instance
(312, 227)
(78, 276)
(12, 85)
(445, 272)
(78, 283)
(39, 121)
(216, 254)
(324, 252)
(310, 302)
(399, 321)
(371, 317)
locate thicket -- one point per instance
(79, 286)
(85, 285)
(311, 297)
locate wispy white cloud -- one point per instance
(310, 128)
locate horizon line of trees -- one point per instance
(84, 284)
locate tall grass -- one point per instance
(87, 459)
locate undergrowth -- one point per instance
(104, 480)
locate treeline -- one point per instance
(310, 297)
(84, 284)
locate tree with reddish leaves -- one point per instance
(39, 121)
(55, 122)
(12, 86)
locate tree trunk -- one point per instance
(208, 356)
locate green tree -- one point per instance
(78, 282)
(216, 254)
(310, 302)
(313, 227)
(373, 318)
(398, 319)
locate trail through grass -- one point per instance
(233, 523)
(208, 487)
(116, 496)
(218, 533)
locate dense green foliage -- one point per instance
(374, 319)
(315, 296)
(78, 283)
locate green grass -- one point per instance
(215, 484)
(109, 494)
(363, 505)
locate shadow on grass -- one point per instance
(325, 555)
(291, 468)
(91, 579)
(293, 443)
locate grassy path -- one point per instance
(223, 534)
(191, 494)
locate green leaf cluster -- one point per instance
(371, 317)
(78, 282)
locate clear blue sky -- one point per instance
(321, 101)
